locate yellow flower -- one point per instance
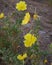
(1, 15)
(21, 6)
(36, 17)
(26, 18)
(30, 39)
(22, 57)
(45, 61)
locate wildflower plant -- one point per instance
(12, 39)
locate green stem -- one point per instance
(35, 10)
(23, 62)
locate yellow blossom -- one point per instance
(36, 17)
(45, 61)
(26, 19)
(22, 57)
(21, 6)
(1, 15)
(30, 39)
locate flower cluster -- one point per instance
(21, 6)
(29, 51)
(29, 39)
